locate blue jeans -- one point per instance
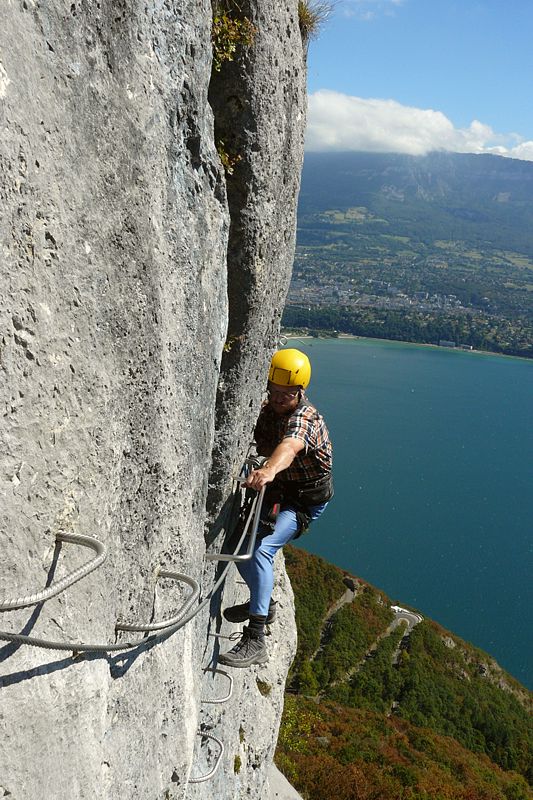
(258, 573)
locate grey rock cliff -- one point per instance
(259, 104)
(117, 295)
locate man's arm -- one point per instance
(281, 458)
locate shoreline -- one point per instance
(402, 341)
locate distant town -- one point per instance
(379, 294)
(362, 289)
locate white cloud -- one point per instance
(341, 122)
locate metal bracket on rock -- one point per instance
(158, 626)
(217, 762)
(62, 584)
(257, 505)
(230, 690)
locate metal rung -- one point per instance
(217, 762)
(59, 586)
(158, 626)
(163, 630)
(230, 691)
(256, 506)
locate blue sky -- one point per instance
(417, 75)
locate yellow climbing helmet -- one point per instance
(290, 368)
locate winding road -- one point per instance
(401, 616)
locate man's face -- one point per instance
(283, 399)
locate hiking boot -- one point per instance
(250, 649)
(242, 612)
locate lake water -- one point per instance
(433, 478)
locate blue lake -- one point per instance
(433, 478)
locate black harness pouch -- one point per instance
(302, 496)
(314, 493)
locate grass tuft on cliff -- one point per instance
(312, 15)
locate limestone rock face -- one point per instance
(247, 724)
(259, 103)
(116, 293)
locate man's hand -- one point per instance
(260, 477)
(281, 458)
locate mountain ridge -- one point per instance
(463, 179)
(416, 248)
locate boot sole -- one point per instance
(243, 662)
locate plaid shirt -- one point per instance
(306, 424)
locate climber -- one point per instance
(297, 473)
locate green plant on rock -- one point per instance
(229, 163)
(230, 31)
(264, 687)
